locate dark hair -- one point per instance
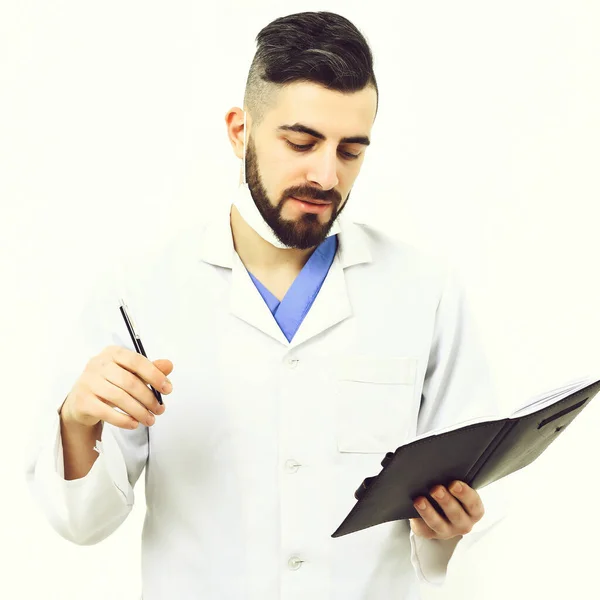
(318, 47)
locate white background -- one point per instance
(485, 150)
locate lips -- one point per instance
(311, 200)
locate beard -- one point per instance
(306, 231)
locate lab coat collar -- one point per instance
(217, 242)
(332, 303)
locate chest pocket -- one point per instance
(374, 403)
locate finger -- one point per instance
(460, 520)
(421, 528)
(90, 404)
(133, 385)
(106, 390)
(432, 518)
(139, 365)
(469, 498)
(165, 365)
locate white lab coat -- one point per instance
(255, 461)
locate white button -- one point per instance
(294, 563)
(291, 466)
(292, 363)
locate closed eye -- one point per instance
(306, 147)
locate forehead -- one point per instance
(334, 113)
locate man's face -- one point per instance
(322, 170)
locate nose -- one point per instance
(323, 169)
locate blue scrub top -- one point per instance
(291, 310)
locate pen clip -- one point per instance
(129, 319)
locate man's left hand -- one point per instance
(461, 504)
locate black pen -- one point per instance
(137, 342)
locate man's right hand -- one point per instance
(117, 377)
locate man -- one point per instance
(305, 347)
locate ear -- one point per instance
(234, 120)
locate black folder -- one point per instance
(477, 453)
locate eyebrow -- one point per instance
(299, 128)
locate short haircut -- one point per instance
(319, 47)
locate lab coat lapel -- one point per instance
(245, 301)
(332, 304)
(247, 304)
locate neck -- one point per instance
(256, 253)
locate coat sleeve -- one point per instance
(457, 387)
(86, 510)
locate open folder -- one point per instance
(477, 452)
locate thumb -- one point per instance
(165, 365)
